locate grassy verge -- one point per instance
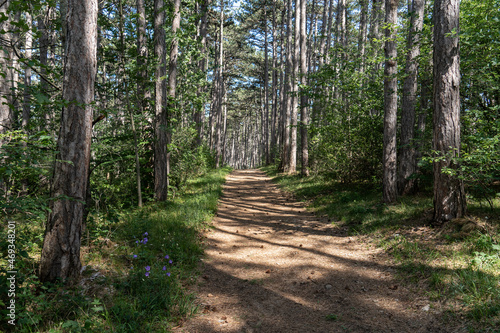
(137, 267)
(457, 265)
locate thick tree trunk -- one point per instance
(304, 110)
(160, 162)
(449, 194)
(274, 89)
(408, 163)
(60, 257)
(390, 104)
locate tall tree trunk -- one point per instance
(198, 118)
(363, 20)
(408, 163)
(6, 112)
(220, 92)
(390, 104)
(172, 79)
(304, 110)
(60, 257)
(295, 89)
(266, 89)
(274, 88)
(449, 194)
(161, 140)
(143, 94)
(287, 94)
(27, 75)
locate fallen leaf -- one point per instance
(268, 271)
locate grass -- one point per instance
(457, 264)
(137, 266)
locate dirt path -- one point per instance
(271, 266)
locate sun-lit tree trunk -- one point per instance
(304, 109)
(160, 123)
(292, 168)
(407, 162)
(449, 194)
(220, 92)
(288, 89)
(363, 22)
(274, 89)
(6, 113)
(390, 104)
(143, 93)
(198, 116)
(60, 258)
(27, 75)
(172, 79)
(266, 89)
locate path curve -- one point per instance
(271, 266)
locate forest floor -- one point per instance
(272, 266)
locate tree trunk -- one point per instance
(295, 89)
(220, 92)
(6, 113)
(449, 194)
(288, 98)
(274, 88)
(198, 118)
(143, 94)
(160, 162)
(266, 89)
(390, 104)
(408, 163)
(60, 257)
(304, 111)
(362, 35)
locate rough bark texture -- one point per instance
(60, 257)
(198, 116)
(390, 104)
(6, 114)
(287, 97)
(408, 163)
(292, 167)
(266, 89)
(220, 91)
(143, 94)
(449, 195)
(161, 175)
(304, 111)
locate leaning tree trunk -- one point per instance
(449, 194)
(390, 104)
(408, 163)
(60, 257)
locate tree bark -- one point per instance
(6, 113)
(390, 104)
(304, 110)
(292, 168)
(449, 194)
(160, 162)
(60, 257)
(408, 163)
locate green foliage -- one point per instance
(25, 168)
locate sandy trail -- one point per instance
(271, 266)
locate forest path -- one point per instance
(271, 266)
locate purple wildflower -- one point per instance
(170, 261)
(167, 257)
(147, 274)
(164, 268)
(168, 273)
(135, 255)
(148, 268)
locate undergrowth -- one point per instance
(138, 263)
(457, 264)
